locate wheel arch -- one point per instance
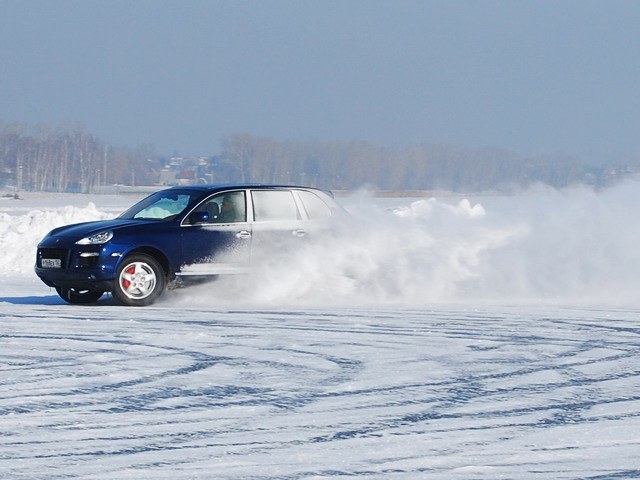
(158, 255)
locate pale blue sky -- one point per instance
(535, 77)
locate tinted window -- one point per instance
(270, 205)
(315, 207)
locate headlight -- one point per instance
(97, 239)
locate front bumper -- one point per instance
(67, 265)
(84, 281)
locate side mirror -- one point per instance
(198, 217)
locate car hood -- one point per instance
(81, 230)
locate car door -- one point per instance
(277, 223)
(216, 236)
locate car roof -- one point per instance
(232, 186)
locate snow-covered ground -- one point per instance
(449, 338)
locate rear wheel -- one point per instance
(77, 296)
(139, 280)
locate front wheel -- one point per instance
(139, 280)
(77, 296)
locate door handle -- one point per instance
(243, 234)
(299, 233)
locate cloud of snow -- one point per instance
(547, 245)
(540, 245)
(417, 252)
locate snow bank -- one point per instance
(20, 234)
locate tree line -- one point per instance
(72, 160)
(344, 165)
(66, 160)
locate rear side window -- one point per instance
(272, 205)
(315, 207)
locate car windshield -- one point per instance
(165, 205)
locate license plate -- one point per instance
(51, 263)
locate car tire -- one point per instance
(139, 281)
(76, 296)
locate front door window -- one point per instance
(233, 207)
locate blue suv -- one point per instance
(178, 234)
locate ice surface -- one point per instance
(447, 338)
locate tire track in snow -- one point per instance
(175, 393)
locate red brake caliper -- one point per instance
(131, 270)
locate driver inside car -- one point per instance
(232, 208)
